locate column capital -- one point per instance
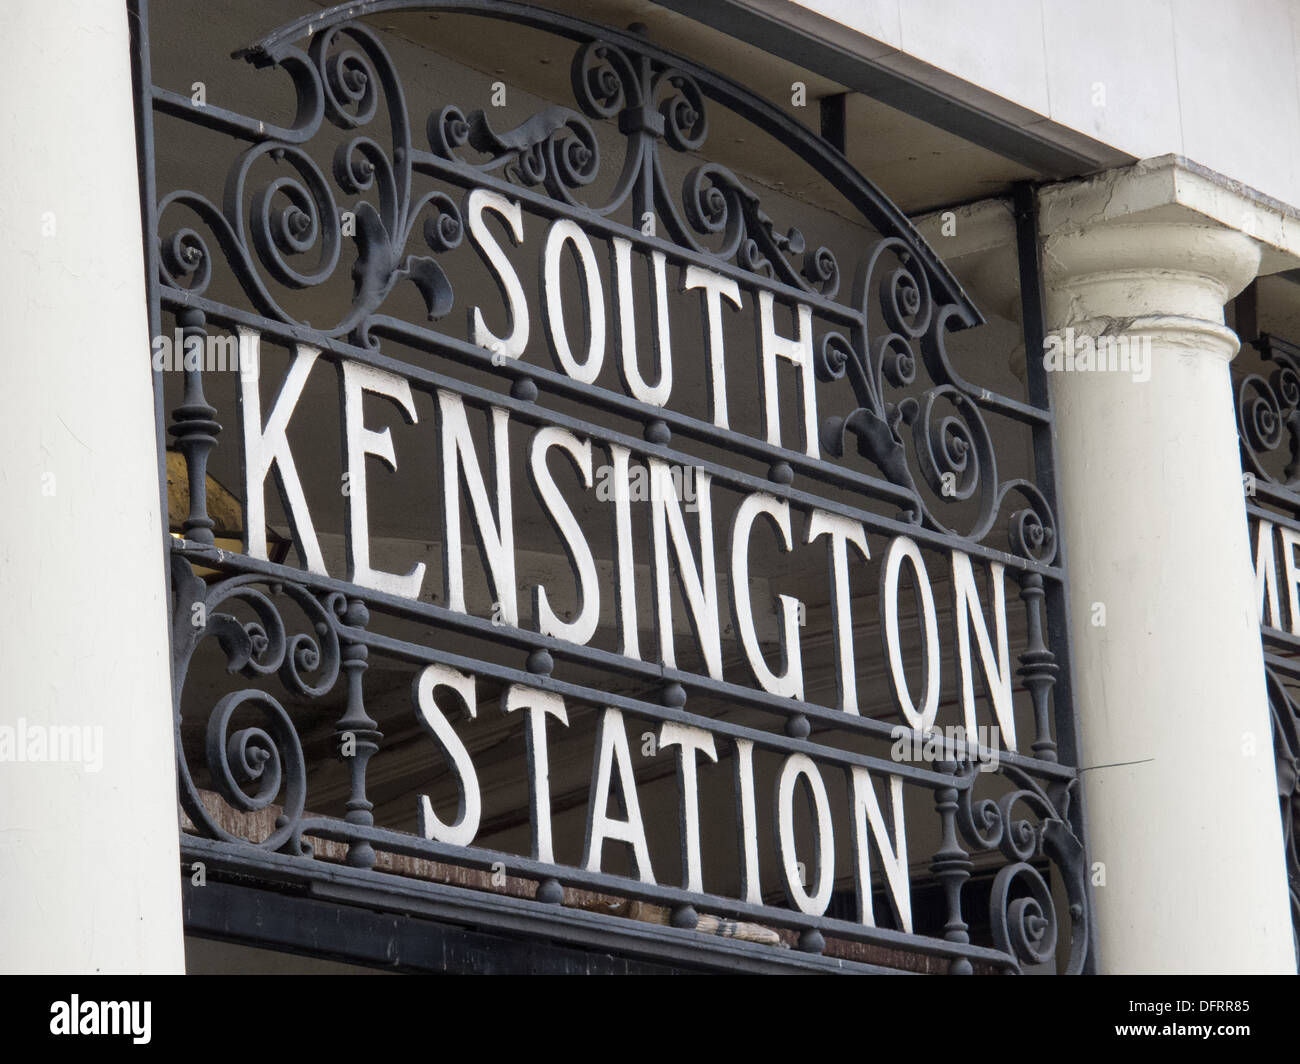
(1148, 277)
(1158, 248)
(1174, 189)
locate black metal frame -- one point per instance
(613, 75)
(1268, 418)
(325, 930)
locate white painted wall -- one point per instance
(1214, 80)
(89, 860)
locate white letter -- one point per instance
(1266, 576)
(626, 337)
(583, 626)
(268, 448)
(611, 746)
(893, 855)
(715, 286)
(813, 904)
(996, 669)
(790, 682)
(565, 230)
(538, 703)
(699, 588)
(800, 352)
(361, 441)
(625, 585)
(692, 741)
(462, 832)
(496, 540)
(900, 549)
(747, 818)
(842, 531)
(507, 280)
(1290, 538)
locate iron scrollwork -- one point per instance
(1268, 430)
(1022, 913)
(936, 436)
(294, 213)
(1285, 715)
(270, 757)
(1268, 415)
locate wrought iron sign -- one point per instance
(700, 399)
(1268, 422)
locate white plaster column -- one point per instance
(89, 860)
(1180, 786)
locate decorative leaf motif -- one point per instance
(527, 135)
(432, 282)
(878, 442)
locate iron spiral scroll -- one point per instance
(1285, 716)
(269, 758)
(1022, 913)
(1268, 416)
